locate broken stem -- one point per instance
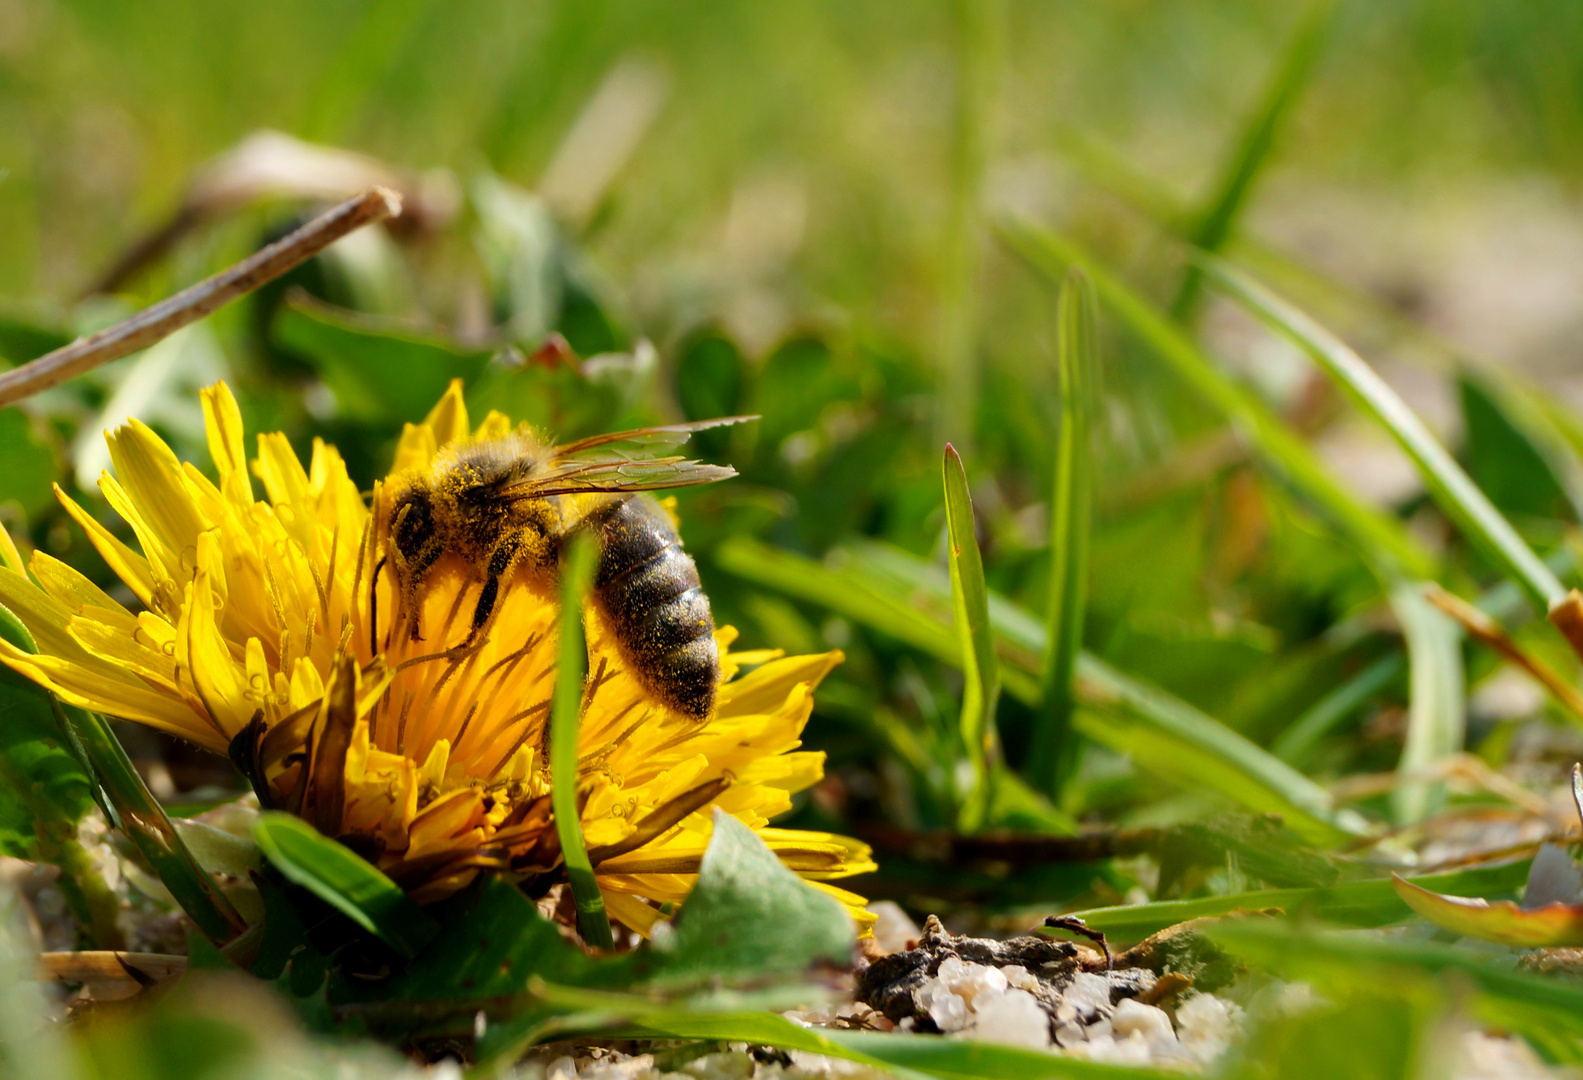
(1485, 629)
(154, 323)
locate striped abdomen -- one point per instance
(648, 589)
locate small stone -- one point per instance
(1135, 1020)
(951, 970)
(970, 980)
(1089, 994)
(1012, 1017)
(948, 1011)
(1107, 1048)
(1020, 977)
(640, 1067)
(1069, 1035)
(894, 928)
(562, 1068)
(1553, 878)
(1207, 1025)
(731, 1065)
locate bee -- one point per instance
(511, 501)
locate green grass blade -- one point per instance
(1173, 740)
(52, 788)
(1252, 151)
(906, 1055)
(1382, 539)
(1320, 719)
(906, 598)
(970, 612)
(345, 880)
(1542, 1008)
(1354, 903)
(1436, 712)
(132, 808)
(1053, 753)
(565, 712)
(1456, 494)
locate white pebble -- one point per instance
(1069, 1035)
(640, 1067)
(894, 928)
(1106, 1048)
(1135, 1020)
(562, 1068)
(1207, 1025)
(727, 1066)
(970, 980)
(1012, 1017)
(951, 970)
(1088, 994)
(948, 1011)
(1020, 977)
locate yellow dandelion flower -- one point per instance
(429, 756)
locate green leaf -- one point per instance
(344, 880)
(379, 369)
(1355, 903)
(1381, 538)
(1393, 1029)
(45, 773)
(1502, 921)
(748, 919)
(30, 465)
(751, 918)
(902, 596)
(1546, 1010)
(709, 377)
(1178, 743)
(132, 808)
(906, 1055)
(491, 941)
(970, 616)
(22, 340)
(1252, 152)
(1322, 717)
(1455, 493)
(1518, 467)
(1436, 712)
(1053, 753)
(44, 792)
(565, 711)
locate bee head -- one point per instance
(412, 522)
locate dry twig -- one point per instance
(188, 306)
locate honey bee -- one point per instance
(503, 503)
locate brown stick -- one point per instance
(191, 304)
(1485, 629)
(1566, 615)
(130, 967)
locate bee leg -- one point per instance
(373, 608)
(499, 562)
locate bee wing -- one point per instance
(642, 439)
(581, 477)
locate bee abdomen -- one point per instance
(649, 591)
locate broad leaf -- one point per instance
(344, 880)
(1355, 903)
(1502, 920)
(970, 617)
(379, 369)
(750, 918)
